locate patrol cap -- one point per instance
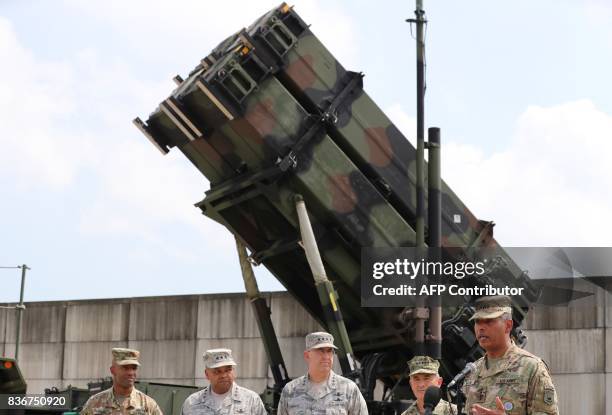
(218, 357)
(492, 307)
(123, 356)
(319, 339)
(423, 364)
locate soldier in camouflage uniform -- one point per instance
(423, 374)
(321, 391)
(507, 380)
(223, 396)
(123, 398)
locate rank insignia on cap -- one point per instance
(319, 339)
(492, 307)
(214, 358)
(508, 406)
(423, 364)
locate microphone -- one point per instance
(431, 399)
(466, 370)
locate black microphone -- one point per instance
(466, 370)
(431, 399)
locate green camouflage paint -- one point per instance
(270, 113)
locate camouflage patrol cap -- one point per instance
(423, 364)
(218, 357)
(492, 307)
(319, 339)
(123, 356)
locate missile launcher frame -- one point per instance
(270, 114)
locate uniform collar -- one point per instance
(329, 385)
(332, 380)
(235, 392)
(441, 405)
(413, 408)
(129, 398)
(234, 395)
(505, 361)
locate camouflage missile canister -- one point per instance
(269, 114)
(362, 130)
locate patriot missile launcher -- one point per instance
(273, 121)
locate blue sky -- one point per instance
(520, 89)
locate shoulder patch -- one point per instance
(549, 396)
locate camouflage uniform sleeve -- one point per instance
(258, 406)
(282, 403)
(357, 404)
(255, 405)
(87, 408)
(154, 409)
(463, 389)
(542, 396)
(184, 407)
(449, 408)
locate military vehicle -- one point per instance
(70, 400)
(306, 171)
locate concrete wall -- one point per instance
(575, 342)
(69, 342)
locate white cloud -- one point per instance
(139, 192)
(598, 10)
(599, 14)
(549, 186)
(405, 123)
(69, 117)
(335, 29)
(195, 27)
(66, 127)
(35, 104)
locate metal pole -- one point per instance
(434, 226)
(20, 307)
(419, 335)
(420, 155)
(325, 289)
(264, 321)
